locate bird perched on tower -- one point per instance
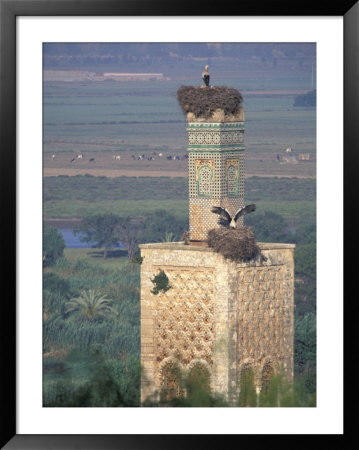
(205, 76)
(225, 217)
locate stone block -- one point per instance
(218, 314)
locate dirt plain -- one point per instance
(103, 164)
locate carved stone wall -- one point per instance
(225, 316)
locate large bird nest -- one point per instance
(205, 101)
(236, 244)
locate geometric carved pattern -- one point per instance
(220, 317)
(170, 381)
(267, 374)
(263, 314)
(184, 325)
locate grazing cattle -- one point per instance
(133, 156)
(53, 156)
(160, 155)
(177, 158)
(169, 157)
(80, 156)
(73, 159)
(92, 159)
(288, 150)
(116, 157)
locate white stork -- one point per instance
(205, 76)
(229, 221)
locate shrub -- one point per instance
(161, 283)
(53, 245)
(54, 283)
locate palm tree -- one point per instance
(91, 304)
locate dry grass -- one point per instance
(237, 244)
(204, 102)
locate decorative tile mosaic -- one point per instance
(215, 173)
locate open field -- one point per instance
(73, 197)
(114, 173)
(264, 164)
(101, 120)
(132, 119)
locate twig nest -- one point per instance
(236, 244)
(204, 103)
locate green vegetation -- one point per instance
(79, 353)
(103, 229)
(53, 245)
(107, 384)
(72, 381)
(91, 305)
(160, 283)
(78, 196)
(72, 341)
(107, 230)
(95, 189)
(192, 390)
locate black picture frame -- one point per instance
(9, 10)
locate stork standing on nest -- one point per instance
(205, 76)
(229, 221)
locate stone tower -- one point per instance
(215, 171)
(216, 315)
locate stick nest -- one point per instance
(236, 244)
(204, 102)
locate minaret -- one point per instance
(216, 169)
(220, 317)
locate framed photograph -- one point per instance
(34, 96)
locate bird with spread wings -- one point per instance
(229, 221)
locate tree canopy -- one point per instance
(53, 245)
(101, 229)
